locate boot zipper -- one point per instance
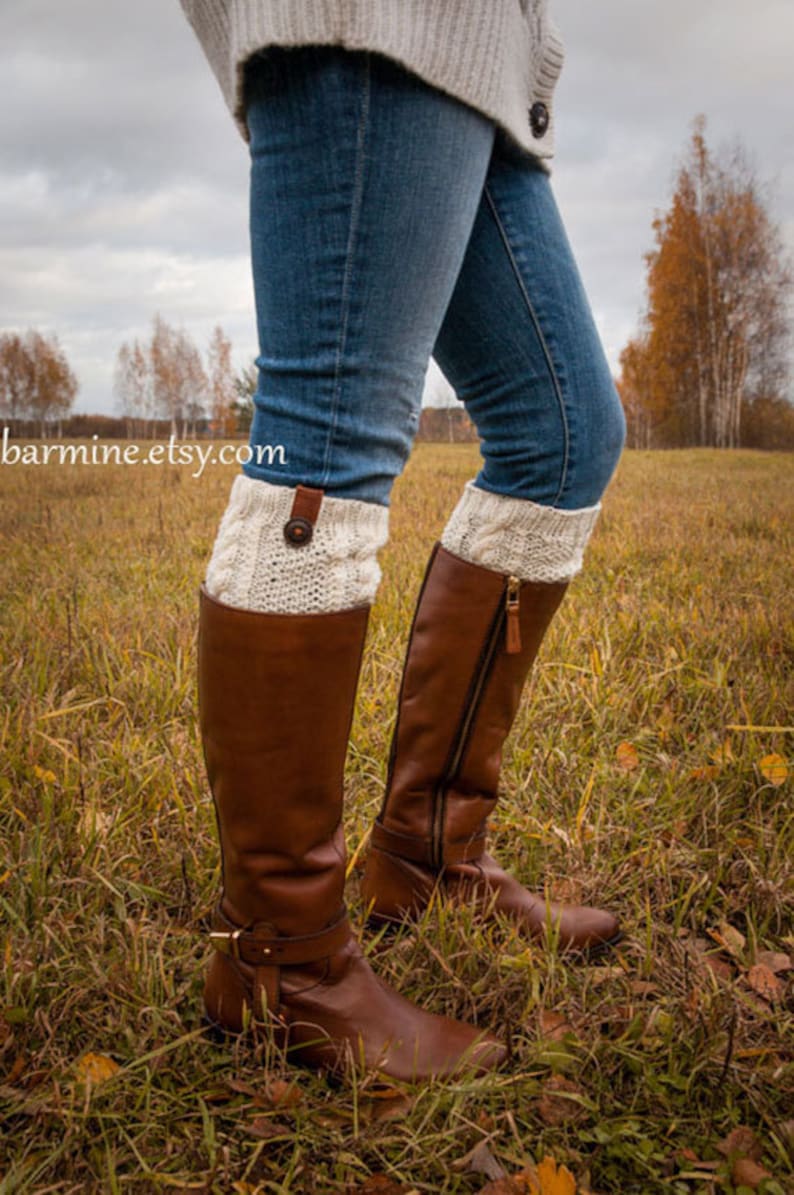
(507, 616)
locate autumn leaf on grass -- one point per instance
(709, 771)
(279, 1093)
(741, 1142)
(747, 1173)
(626, 755)
(545, 1179)
(559, 1103)
(554, 1180)
(95, 1068)
(554, 1026)
(729, 938)
(775, 960)
(480, 1160)
(774, 769)
(765, 983)
(381, 1184)
(388, 1103)
(266, 1129)
(723, 754)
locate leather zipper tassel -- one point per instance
(513, 645)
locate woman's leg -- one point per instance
(365, 183)
(364, 186)
(521, 349)
(519, 345)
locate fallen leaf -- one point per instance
(381, 1184)
(279, 1093)
(747, 1173)
(717, 966)
(598, 975)
(34, 1078)
(17, 1067)
(688, 1155)
(627, 757)
(266, 1129)
(95, 1068)
(511, 1184)
(381, 1109)
(723, 754)
(776, 961)
(643, 987)
(764, 981)
(554, 1025)
(556, 1106)
(742, 1141)
(480, 1160)
(729, 938)
(709, 771)
(549, 1179)
(94, 822)
(774, 769)
(485, 1121)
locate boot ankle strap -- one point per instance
(420, 850)
(261, 946)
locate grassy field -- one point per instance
(649, 771)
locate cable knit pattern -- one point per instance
(499, 56)
(254, 568)
(519, 537)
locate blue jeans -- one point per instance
(389, 222)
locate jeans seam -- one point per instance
(541, 338)
(355, 212)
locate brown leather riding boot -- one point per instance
(474, 637)
(276, 698)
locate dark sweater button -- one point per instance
(538, 119)
(298, 531)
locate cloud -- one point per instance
(123, 181)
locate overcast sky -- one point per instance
(123, 181)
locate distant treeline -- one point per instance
(448, 424)
(773, 429)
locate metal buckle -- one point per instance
(226, 941)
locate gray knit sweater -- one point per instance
(500, 56)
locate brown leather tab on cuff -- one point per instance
(420, 850)
(299, 527)
(259, 948)
(306, 503)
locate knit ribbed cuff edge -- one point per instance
(517, 536)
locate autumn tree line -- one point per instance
(165, 378)
(710, 364)
(37, 384)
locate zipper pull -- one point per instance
(513, 623)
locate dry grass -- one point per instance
(677, 639)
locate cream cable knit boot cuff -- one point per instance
(516, 536)
(254, 568)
